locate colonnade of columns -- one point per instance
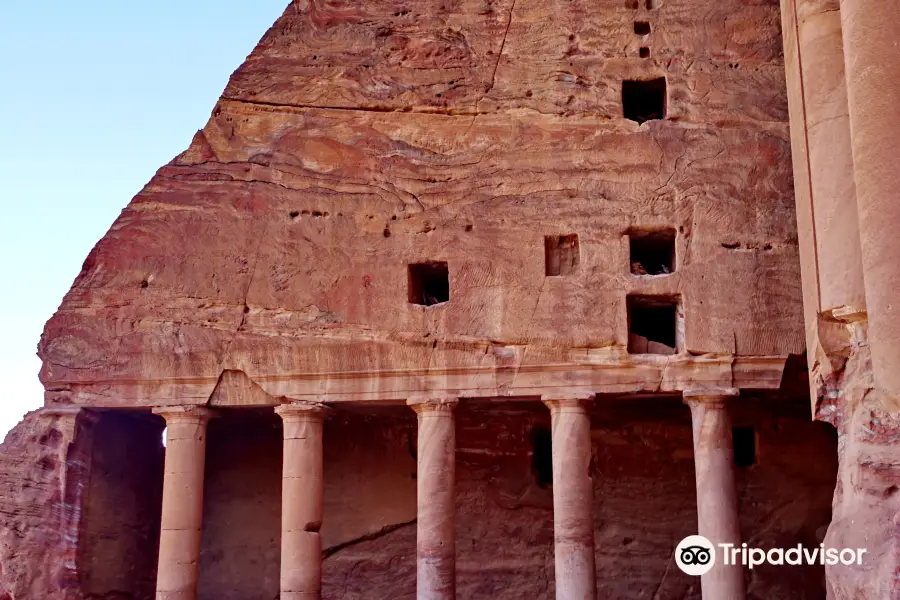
(302, 498)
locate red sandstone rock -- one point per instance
(270, 262)
(847, 273)
(357, 139)
(42, 476)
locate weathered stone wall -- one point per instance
(241, 509)
(358, 139)
(44, 469)
(119, 539)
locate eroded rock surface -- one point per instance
(43, 474)
(358, 139)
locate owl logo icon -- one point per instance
(695, 555)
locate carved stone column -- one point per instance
(827, 221)
(717, 511)
(573, 495)
(873, 90)
(301, 501)
(182, 506)
(436, 480)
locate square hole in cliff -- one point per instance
(429, 283)
(642, 28)
(652, 252)
(561, 254)
(744, 439)
(644, 100)
(652, 324)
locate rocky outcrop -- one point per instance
(43, 475)
(866, 508)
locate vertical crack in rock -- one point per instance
(662, 580)
(502, 46)
(496, 66)
(537, 303)
(253, 269)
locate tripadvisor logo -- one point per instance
(696, 555)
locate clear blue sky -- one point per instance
(96, 96)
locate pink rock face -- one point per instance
(358, 141)
(44, 477)
(487, 200)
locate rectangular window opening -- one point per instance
(561, 254)
(429, 283)
(744, 439)
(644, 100)
(652, 252)
(652, 324)
(542, 456)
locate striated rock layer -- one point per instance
(359, 138)
(271, 261)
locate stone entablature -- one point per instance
(640, 375)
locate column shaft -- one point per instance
(872, 65)
(820, 131)
(302, 487)
(436, 481)
(182, 506)
(717, 510)
(573, 494)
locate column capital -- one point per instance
(184, 414)
(302, 409)
(710, 397)
(432, 403)
(564, 401)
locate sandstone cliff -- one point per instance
(360, 138)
